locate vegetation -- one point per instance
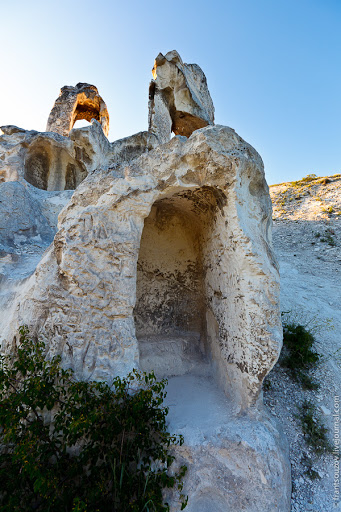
(299, 358)
(297, 355)
(307, 179)
(308, 463)
(328, 209)
(313, 428)
(328, 237)
(81, 446)
(292, 194)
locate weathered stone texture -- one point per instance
(234, 463)
(205, 185)
(21, 218)
(76, 103)
(179, 100)
(162, 259)
(47, 161)
(238, 471)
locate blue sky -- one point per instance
(273, 67)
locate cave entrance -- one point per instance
(171, 300)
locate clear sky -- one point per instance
(273, 67)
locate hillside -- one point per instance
(307, 241)
(312, 198)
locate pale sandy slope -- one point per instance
(307, 240)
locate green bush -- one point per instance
(297, 354)
(67, 445)
(313, 428)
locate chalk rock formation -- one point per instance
(234, 463)
(162, 259)
(47, 161)
(52, 162)
(185, 231)
(179, 100)
(74, 104)
(21, 217)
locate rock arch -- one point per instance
(75, 103)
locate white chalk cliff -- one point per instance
(154, 252)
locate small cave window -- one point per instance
(83, 114)
(81, 123)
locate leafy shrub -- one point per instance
(298, 355)
(313, 428)
(77, 446)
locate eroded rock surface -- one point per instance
(179, 100)
(233, 463)
(161, 259)
(52, 162)
(21, 218)
(201, 207)
(74, 104)
(47, 161)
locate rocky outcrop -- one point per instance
(74, 104)
(177, 242)
(47, 161)
(162, 260)
(312, 198)
(179, 100)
